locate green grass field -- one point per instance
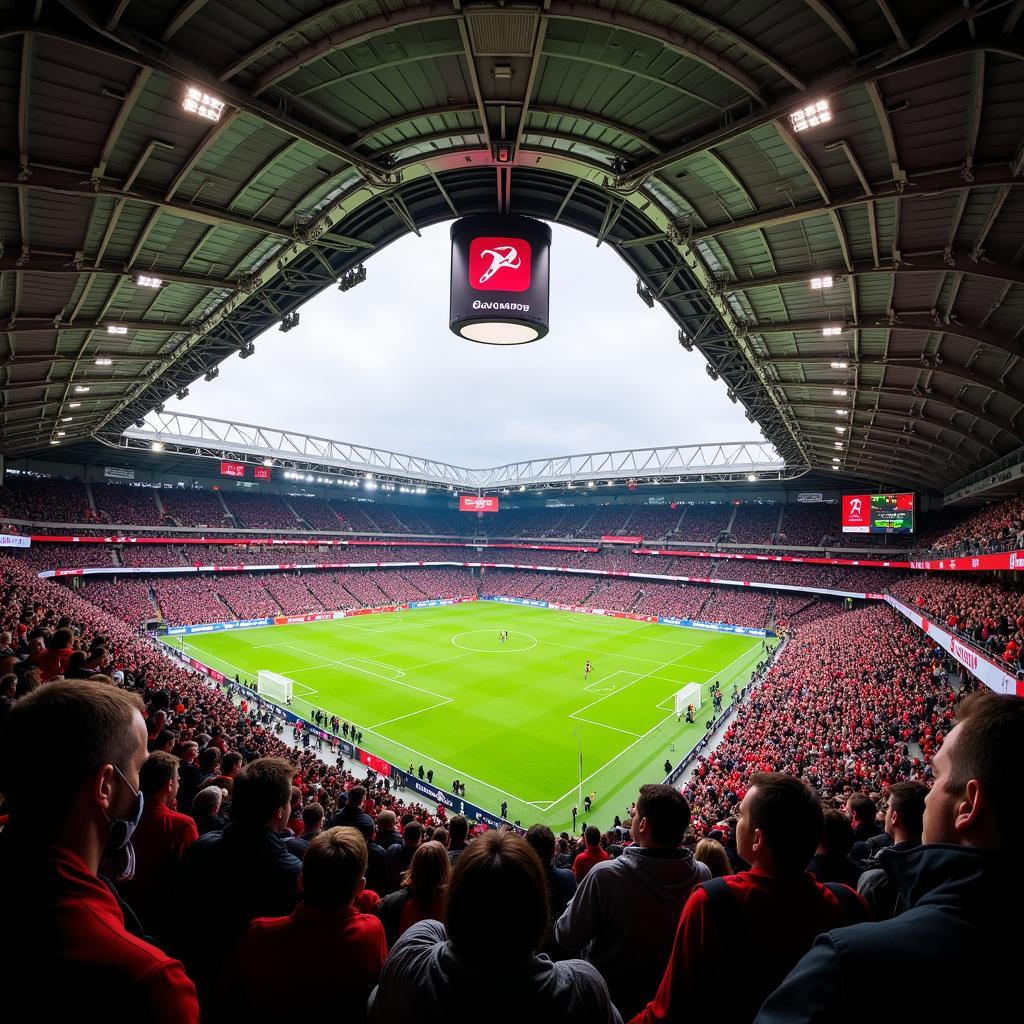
(434, 686)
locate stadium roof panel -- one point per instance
(664, 132)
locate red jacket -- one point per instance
(586, 860)
(160, 841)
(51, 663)
(275, 957)
(64, 947)
(779, 918)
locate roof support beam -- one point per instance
(902, 322)
(65, 265)
(910, 263)
(185, 13)
(25, 326)
(927, 183)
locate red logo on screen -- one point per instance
(855, 509)
(472, 503)
(905, 502)
(262, 473)
(499, 264)
(232, 469)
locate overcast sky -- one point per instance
(378, 366)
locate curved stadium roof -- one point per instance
(662, 129)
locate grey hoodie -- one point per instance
(425, 981)
(624, 918)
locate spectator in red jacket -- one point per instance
(772, 913)
(64, 944)
(324, 937)
(160, 841)
(592, 853)
(53, 656)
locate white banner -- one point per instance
(14, 540)
(994, 676)
(118, 473)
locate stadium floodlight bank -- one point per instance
(689, 694)
(274, 687)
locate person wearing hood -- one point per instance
(624, 915)
(951, 953)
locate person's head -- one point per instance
(542, 840)
(262, 793)
(440, 835)
(837, 836)
(458, 830)
(860, 809)
(386, 821)
(158, 778)
(429, 871)
(780, 823)
(712, 853)
(231, 763)
(60, 640)
(592, 836)
(974, 799)
(356, 796)
(312, 817)
(497, 869)
(101, 735)
(904, 811)
(412, 834)
(208, 801)
(8, 685)
(296, 801)
(189, 752)
(662, 817)
(209, 759)
(333, 868)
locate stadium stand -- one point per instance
(117, 503)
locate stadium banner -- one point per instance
(501, 599)
(474, 503)
(118, 473)
(217, 627)
(379, 765)
(15, 540)
(718, 627)
(610, 538)
(435, 602)
(811, 497)
(993, 675)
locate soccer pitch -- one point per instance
(435, 686)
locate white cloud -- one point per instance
(378, 365)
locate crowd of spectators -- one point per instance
(184, 600)
(121, 503)
(44, 499)
(985, 612)
(314, 512)
(995, 527)
(738, 606)
(192, 506)
(754, 524)
(260, 511)
(704, 523)
(126, 598)
(806, 523)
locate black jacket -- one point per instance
(228, 878)
(950, 955)
(353, 817)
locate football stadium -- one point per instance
(511, 509)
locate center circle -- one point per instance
(485, 641)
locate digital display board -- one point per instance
(232, 469)
(261, 472)
(878, 513)
(473, 503)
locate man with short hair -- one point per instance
(247, 868)
(64, 946)
(904, 820)
(206, 807)
(325, 937)
(387, 834)
(591, 854)
(160, 842)
(953, 942)
(861, 811)
(400, 857)
(458, 831)
(561, 881)
(352, 814)
(773, 912)
(625, 912)
(312, 826)
(190, 775)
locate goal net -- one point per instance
(275, 687)
(689, 694)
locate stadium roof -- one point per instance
(671, 132)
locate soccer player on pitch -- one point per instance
(586, 670)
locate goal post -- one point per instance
(689, 694)
(274, 686)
